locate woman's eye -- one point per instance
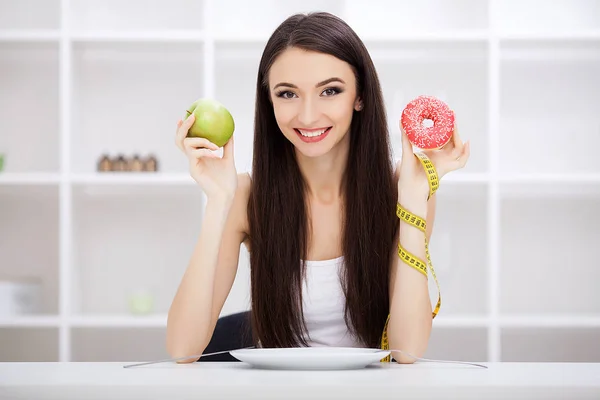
(286, 94)
(331, 91)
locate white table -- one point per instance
(239, 380)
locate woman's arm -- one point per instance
(430, 217)
(209, 275)
(410, 322)
(411, 316)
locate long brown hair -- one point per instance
(277, 209)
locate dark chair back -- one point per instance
(231, 332)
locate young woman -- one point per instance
(318, 213)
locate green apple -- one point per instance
(212, 121)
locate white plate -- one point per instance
(311, 358)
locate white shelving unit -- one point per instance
(515, 242)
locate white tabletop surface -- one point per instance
(212, 380)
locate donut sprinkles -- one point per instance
(428, 137)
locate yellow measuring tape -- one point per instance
(405, 256)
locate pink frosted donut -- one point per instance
(428, 137)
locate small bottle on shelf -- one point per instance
(135, 164)
(151, 164)
(104, 165)
(120, 164)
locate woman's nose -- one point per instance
(309, 113)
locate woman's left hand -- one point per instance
(413, 179)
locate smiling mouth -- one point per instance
(312, 132)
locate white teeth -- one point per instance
(313, 133)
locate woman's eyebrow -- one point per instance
(326, 81)
(322, 83)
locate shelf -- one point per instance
(29, 239)
(29, 344)
(548, 251)
(133, 178)
(571, 36)
(154, 83)
(135, 15)
(24, 178)
(28, 69)
(458, 344)
(550, 345)
(445, 320)
(466, 178)
(551, 321)
(29, 321)
(436, 69)
(549, 119)
(118, 344)
(450, 38)
(38, 35)
(417, 19)
(119, 321)
(458, 250)
(581, 179)
(145, 237)
(167, 36)
(30, 14)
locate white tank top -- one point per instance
(323, 305)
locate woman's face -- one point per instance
(314, 96)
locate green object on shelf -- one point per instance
(141, 302)
(1, 162)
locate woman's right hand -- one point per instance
(216, 175)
